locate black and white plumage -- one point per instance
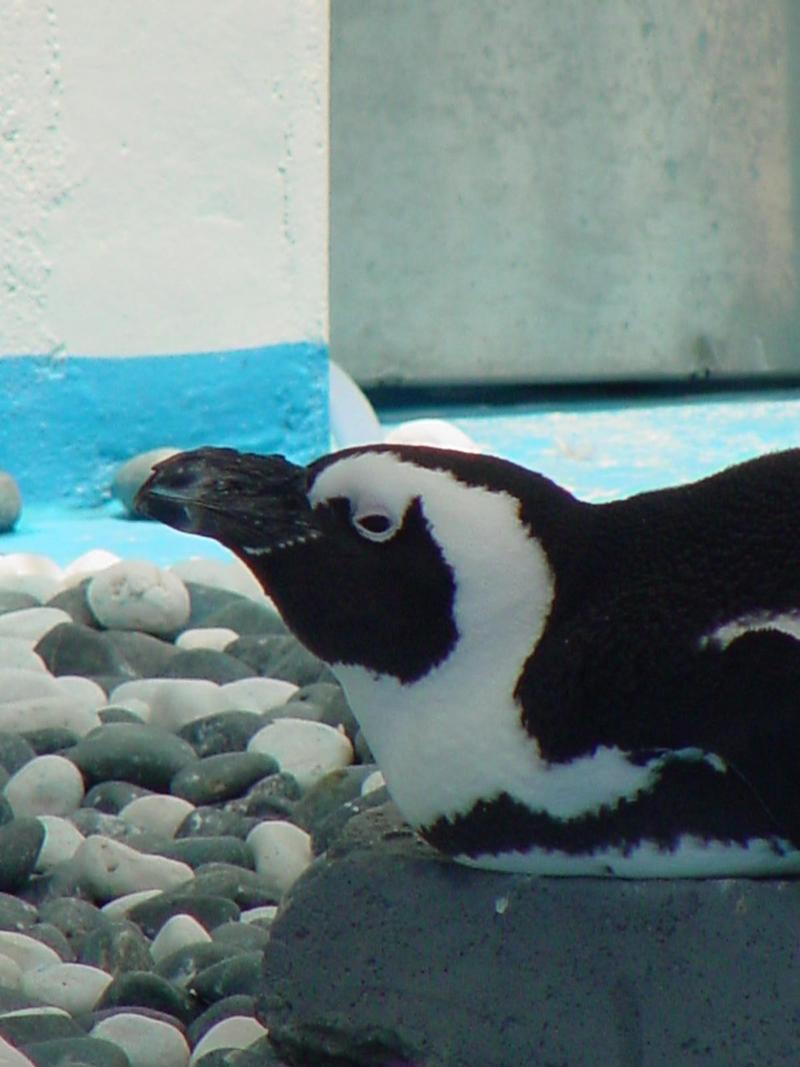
(548, 685)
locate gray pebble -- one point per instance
(73, 600)
(16, 600)
(144, 655)
(209, 910)
(244, 937)
(10, 502)
(247, 616)
(76, 1052)
(75, 918)
(217, 778)
(15, 752)
(16, 914)
(280, 656)
(74, 649)
(111, 796)
(238, 1004)
(243, 887)
(21, 841)
(196, 851)
(50, 739)
(226, 731)
(182, 966)
(212, 822)
(239, 974)
(50, 935)
(45, 1025)
(207, 663)
(144, 989)
(272, 796)
(143, 755)
(206, 601)
(117, 947)
(331, 792)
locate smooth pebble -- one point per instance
(305, 749)
(72, 986)
(27, 952)
(176, 933)
(237, 1031)
(372, 783)
(119, 908)
(82, 690)
(148, 1042)
(257, 694)
(215, 637)
(47, 785)
(61, 841)
(12, 1057)
(160, 813)
(18, 653)
(282, 852)
(232, 576)
(109, 868)
(138, 595)
(87, 565)
(44, 712)
(31, 623)
(26, 572)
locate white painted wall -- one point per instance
(163, 174)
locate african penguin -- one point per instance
(548, 686)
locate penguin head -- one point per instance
(383, 557)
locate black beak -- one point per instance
(240, 499)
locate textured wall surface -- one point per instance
(561, 191)
(163, 175)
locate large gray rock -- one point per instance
(385, 953)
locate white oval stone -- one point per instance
(257, 694)
(147, 1042)
(26, 951)
(75, 987)
(82, 690)
(18, 653)
(38, 713)
(160, 813)
(282, 851)
(119, 908)
(307, 750)
(31, 623)
(177, 701)
(61, 841)
(138, 595)
(25, 572)
(216, 637)
(46, 785)
(90, 563)
(19, 683)
(108, 868)
(237, 1031)
(177, 932)
(10, 975)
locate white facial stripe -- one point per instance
(456, 735)
(726, 634)
(692, 858)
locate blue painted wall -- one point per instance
(67, 422)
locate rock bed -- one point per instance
(171, 760)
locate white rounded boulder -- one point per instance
(138, 595)
(306, 750)
(45, 785)
(110, 869)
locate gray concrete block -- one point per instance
(387, 954)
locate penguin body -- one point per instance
(547, 685)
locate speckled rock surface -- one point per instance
(441, 965)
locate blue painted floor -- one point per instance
(599, 452)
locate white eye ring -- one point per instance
(374, 524)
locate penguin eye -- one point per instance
(375, 525)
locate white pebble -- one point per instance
(119, 908)
(19, 683)
(10, 975)
(12, 1057)
(39, 713)
(75, 987)
(25, 572)
(160, 813)
(138, 595)
(83, 691)
(257, 694)
(307, 750)
(263, 913)
(178, 701)
(109, 868)
(372, 783)
(216, 637)
(26, 951)
(177, 932)
(148, 1042)
(282, 851)
(61, 841)
(237, 1031)
(32, 623)
(45, 785)
(18, 653)
(233, 576)
(90, 563)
